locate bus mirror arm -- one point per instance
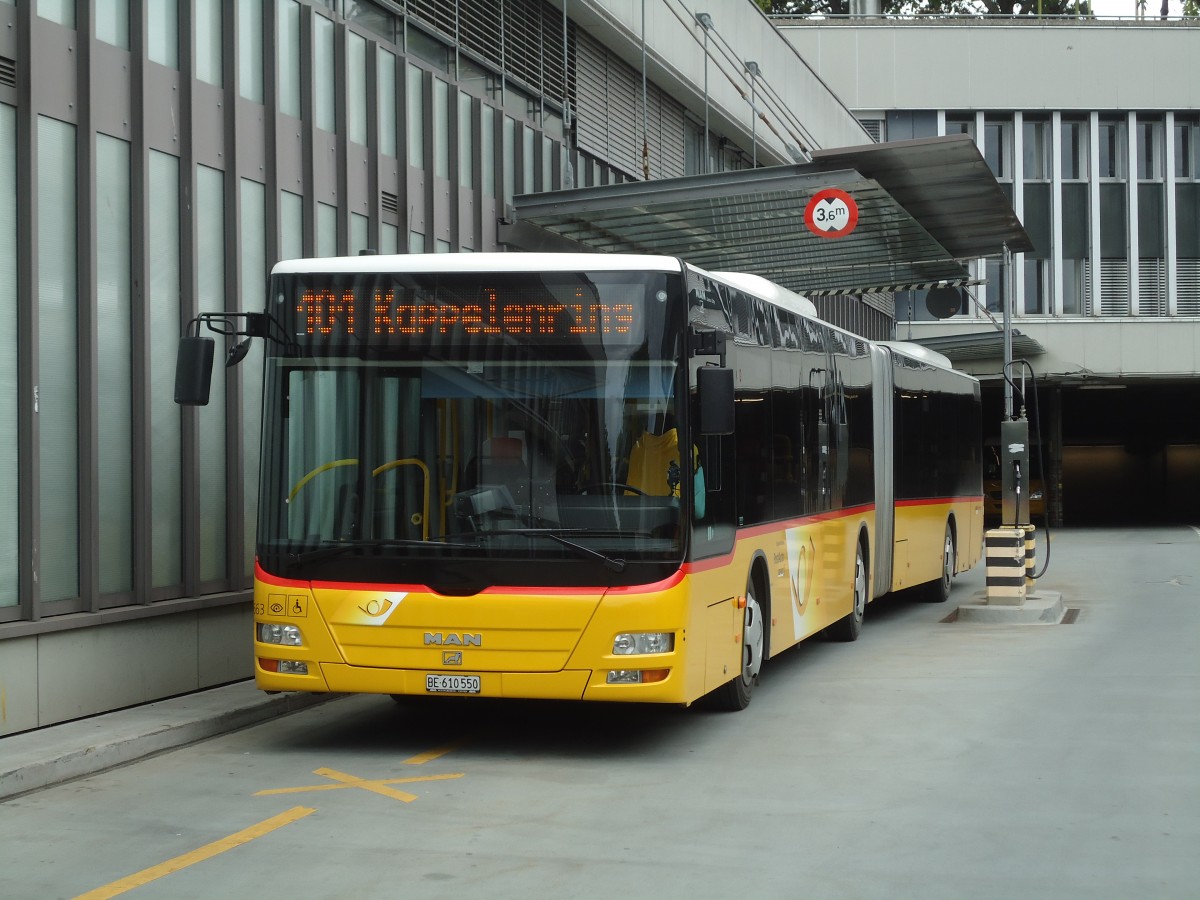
(193, 365)
(707, 343)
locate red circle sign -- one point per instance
(831, 213)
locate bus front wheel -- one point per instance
(939, 591)
(735, 695)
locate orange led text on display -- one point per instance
(327, 312)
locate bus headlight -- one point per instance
(641, 642)
(637, 676)
(272, 633)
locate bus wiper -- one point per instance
(337, 548)
(612, 563)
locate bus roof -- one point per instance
(769, 290)
(439, 263)
(920, 353)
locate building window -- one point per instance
(254, 271)
(250, 50)
(994, 289)
(487, 151)
(1112, 148)
(291, 225)
(114, 385)
(441, 128)
(9, 474)
(324, 81)
(509, 150)
(1150, 151)
(112, 22)
(1035, 149)
(1036, 293)
(288, 50)
(326, 230)
(960, 125)
(416, 117)
(1186, 156)
(209, 48)
(1074, 287)
(387, 102)
(210, 294)
(466, 147)
(997, 147)
(360, 233)
(356, 88)
(58, 371)
(389, 239)
(162, 29)
(60, 11)
(1074, 150)
(166, 566)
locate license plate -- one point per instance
(452, 684)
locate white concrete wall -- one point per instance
(1030, 66)
(1126, 347)
(675, 62)
(61, 675)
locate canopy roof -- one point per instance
(924, 207)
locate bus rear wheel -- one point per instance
(849, 626)
(735, 695)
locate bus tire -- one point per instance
(849, 626)
(735, 695)
(939, 591)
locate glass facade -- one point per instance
(369, 129)
(1109, 202)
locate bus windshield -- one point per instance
(449, 430)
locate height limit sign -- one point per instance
(831, 213)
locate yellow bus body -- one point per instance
(558, 643)
(920, 534)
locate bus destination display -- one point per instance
(387, 316)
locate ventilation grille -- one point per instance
(609, 121)
(875, 128)
(389, 202)
(8, 72)
(1152, 287)
(1187, 288)
(1114, 288)
(523, 38)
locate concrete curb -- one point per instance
(1044, 608)
(48, 756)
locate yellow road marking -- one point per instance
(199, 855)
(433, 754)
(376, 785)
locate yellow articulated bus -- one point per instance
(582, 476)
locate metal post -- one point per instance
(706, 23)
(755, 71)
(1008, 349)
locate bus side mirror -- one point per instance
(714, 389)
(193, 370)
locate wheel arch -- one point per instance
(759, 575)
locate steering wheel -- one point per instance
(615, 486)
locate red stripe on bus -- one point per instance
(934, 501)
